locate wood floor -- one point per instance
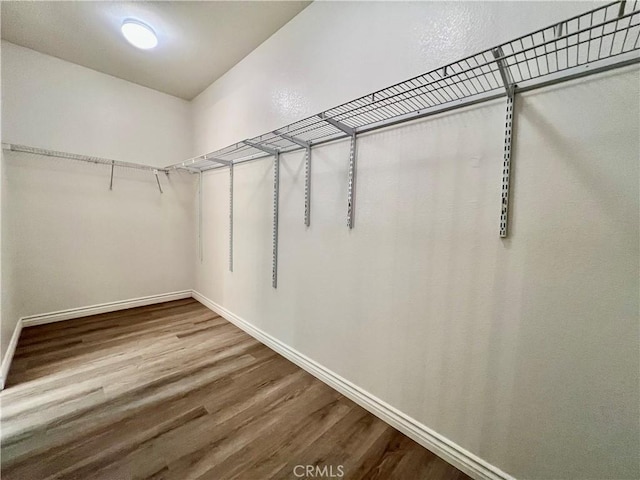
(173, 391)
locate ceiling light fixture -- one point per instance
(139, 35)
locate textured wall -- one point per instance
(523, 351)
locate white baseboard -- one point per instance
(70, 313)
(8, 356)
(433, 441)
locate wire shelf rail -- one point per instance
(601, 39)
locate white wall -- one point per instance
(68, 241)
(523, 351)
(54, 104)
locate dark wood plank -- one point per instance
(174, 392)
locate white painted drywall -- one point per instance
(54, 104)
(68, 241)
(523, 351)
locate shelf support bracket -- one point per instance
(307, 173)
(352, 165)
(509, 85)
(111, 181)
(217, 160)
(270, 151)
(276, 201)
(231, 217)
(339, 125)
(155, 172)
(297, 141)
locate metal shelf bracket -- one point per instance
(352, 182)
(270, 151)
(339, 125)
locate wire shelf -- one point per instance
(600, 39)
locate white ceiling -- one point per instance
(198, 41)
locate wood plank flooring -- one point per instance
(173, 391)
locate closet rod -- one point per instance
(12, 147)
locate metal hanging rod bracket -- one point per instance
(270, 151)
(339, 125)
(111, 181)
(295, 140)
(155, 172)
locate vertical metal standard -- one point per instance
(276, 201)
(509, 86)
(231, 217)
(111, 181)
(155, 172)
(307, 173)
(200, 215)
(307, 187)
(352, 164)
(352, 182)
(506, 167)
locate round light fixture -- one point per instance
(139, 35)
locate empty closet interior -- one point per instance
(414, 223)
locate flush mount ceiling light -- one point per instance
(139, 35)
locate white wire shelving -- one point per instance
(601, 39)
